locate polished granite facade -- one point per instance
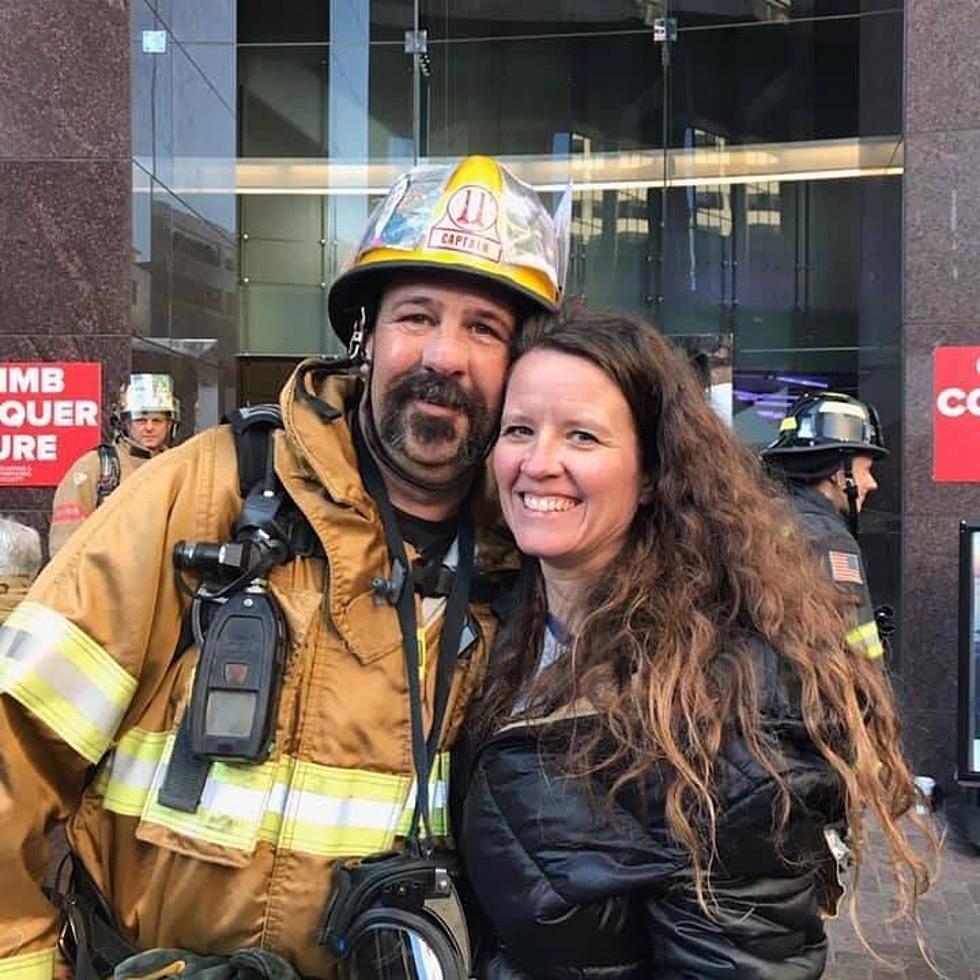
(941, 307)
(65, 185)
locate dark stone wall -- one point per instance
(65, 188)
(942, 307)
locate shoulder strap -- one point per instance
(252, 428)
(109, 474)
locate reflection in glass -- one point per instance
(184, 312)
(813, 79)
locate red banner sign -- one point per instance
(956, 415)
(50, 413)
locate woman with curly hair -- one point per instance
(675, 739)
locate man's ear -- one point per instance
(365, 369)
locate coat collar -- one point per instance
(317, 464)
(816, 503)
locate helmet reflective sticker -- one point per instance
(469, 224)
(149, 393)
(402, 218)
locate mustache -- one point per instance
(437, 389)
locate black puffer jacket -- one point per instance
(572, 891)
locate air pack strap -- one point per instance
(109, 473)
(253, 429)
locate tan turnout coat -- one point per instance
(77, 493)
(87, 664)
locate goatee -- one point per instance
(396, 425)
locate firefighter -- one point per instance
(144, 426)
(378, 457)
(824, 451)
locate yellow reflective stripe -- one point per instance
(231, 808)
(123, 783)
(302, 806)
(64, 677)
(865, 639)
(438, 800)
(29, 966)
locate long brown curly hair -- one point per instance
(710, 562)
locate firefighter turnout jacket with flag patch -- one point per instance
(93, 696)
(825, 527)
(77, 494)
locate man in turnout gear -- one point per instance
(144, 426)
(826, 446)
(97, 665)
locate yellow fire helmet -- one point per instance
(474, 218)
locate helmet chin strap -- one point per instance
(851, 491)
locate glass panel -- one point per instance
(281, 216)
(142, 273)
(285, 20)
(143, 70)
(772, 82)
(185, 261)
(278, 319)
(193, 22)
(700, 13)
(789, 81)
(298, 263)
(187, 290)
(467, 20)
(338, 87)
(283, 104)
(203, 140)
(478, 101)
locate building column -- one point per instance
(942, 307)
(65, 190)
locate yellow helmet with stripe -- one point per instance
(473, 218)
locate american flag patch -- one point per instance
(845, 566)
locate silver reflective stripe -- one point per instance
(302, 806)
(62, 676)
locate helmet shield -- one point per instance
(840, 422)
(473, 218)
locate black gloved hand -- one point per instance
(246, 964)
